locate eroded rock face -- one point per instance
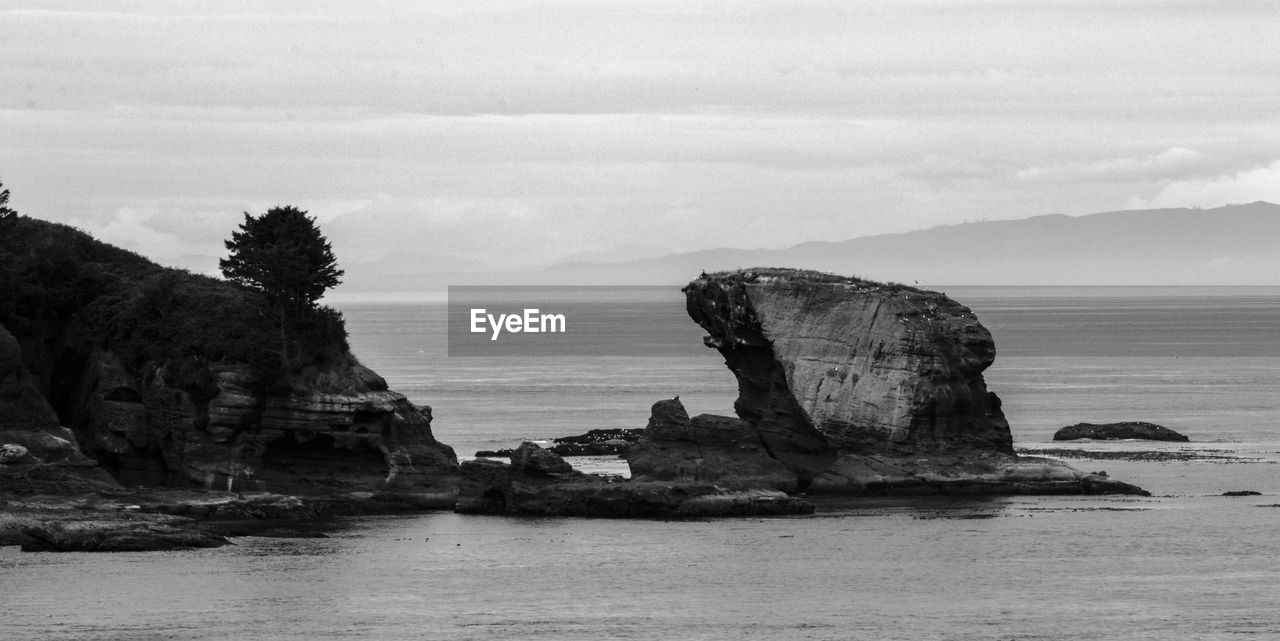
(228, 437)
(852, 364)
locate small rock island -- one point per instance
(1139, 430)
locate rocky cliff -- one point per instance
(851, 386)
(169, 379)
(37, 454)
(343, 431)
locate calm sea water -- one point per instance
(1186, 563)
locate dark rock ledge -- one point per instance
(601, 442)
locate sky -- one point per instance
(514, 134)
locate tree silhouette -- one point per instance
(5, 211)
(283, 255)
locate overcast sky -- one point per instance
(527, 131)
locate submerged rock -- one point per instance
(1116, 431)
(121, 533)
(602, 442)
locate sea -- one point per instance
(1185, 563)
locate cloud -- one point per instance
(1245, 186)
(1171, 162)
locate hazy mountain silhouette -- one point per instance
(1232, 245)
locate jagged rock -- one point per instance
(706, 448)
(1115, 431)
(847, 386)
(10, 453)
(531, 459)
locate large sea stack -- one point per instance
(847, 386)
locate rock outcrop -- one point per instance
(539, 482)
(37, 454)
(847, 386)
(706, 449)
(1117, 431)
(344, 432)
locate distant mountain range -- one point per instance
(1231, 245)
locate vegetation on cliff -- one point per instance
(63, 293)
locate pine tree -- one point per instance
(283, 255)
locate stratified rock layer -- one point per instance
(861, 365)
(847, 386)
(351, 433)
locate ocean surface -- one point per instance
(1186, 563)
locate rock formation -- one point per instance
(346, 432)
(847, 386)
(37, 454)
(1114, 431)
(539, 482)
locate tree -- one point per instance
(283, 255)
(5, 211)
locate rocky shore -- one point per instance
(107, 442)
